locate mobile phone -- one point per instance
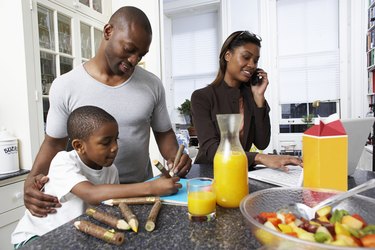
(255, 79)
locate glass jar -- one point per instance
(230, 163)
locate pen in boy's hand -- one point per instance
(161, 168)
(177, 159)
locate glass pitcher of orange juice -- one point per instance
(230, 163)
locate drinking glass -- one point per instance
(201, 199)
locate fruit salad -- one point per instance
(330, 227)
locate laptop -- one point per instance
(357, 129)
(292, 178)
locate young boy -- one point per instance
(86, 175)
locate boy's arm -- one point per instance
(94, 194)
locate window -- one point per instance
(98, 10)
(90, 41)
(194, 54)
(55, 45)
(308, 59)
(93, 4)
(57, 41)
(97, 38)
(85, 42)
(293, 116)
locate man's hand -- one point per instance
(38, 203)
(168, 148)
(183, 166)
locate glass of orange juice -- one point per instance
(201, 199)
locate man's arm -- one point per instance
(37, 202)
(168, 148)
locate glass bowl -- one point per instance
(272, 199)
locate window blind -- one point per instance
(308, 50)
(194, 54)
(194, 44)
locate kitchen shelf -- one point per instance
(371, 69)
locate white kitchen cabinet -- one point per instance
(67, 34)
(97, 9)
(11, 208)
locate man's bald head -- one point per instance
(129, 14)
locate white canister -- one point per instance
(9, 161)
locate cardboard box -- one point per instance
(325, 155)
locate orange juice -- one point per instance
(230, 175)
(201, 202)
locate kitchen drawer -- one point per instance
(11, 196)
(8, 222)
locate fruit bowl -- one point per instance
(271, 200)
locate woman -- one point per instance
(233, 91)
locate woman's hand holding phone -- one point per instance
(259, 83)
(255, 78)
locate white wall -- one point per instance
(244, 16)
(18, 108)
(151, 9)
(358, 66)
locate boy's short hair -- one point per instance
(83, 121)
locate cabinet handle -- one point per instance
(18, 195)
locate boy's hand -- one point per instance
(38, 203)
(165, 186)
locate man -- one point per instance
(112, 81)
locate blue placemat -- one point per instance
(179, 198)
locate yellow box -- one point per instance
(325, 162)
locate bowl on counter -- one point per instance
(272, 199)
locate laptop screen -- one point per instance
(358, 130)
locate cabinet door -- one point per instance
(55, 46)
(97, 9)
(90, 40)
(8, 222)
(11, 210)
(94, 5)
(66, 37)
(11, 196)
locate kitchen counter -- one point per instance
(11, 206)
(173, 228)
(6, 179)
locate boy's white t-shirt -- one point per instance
(66, 171)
